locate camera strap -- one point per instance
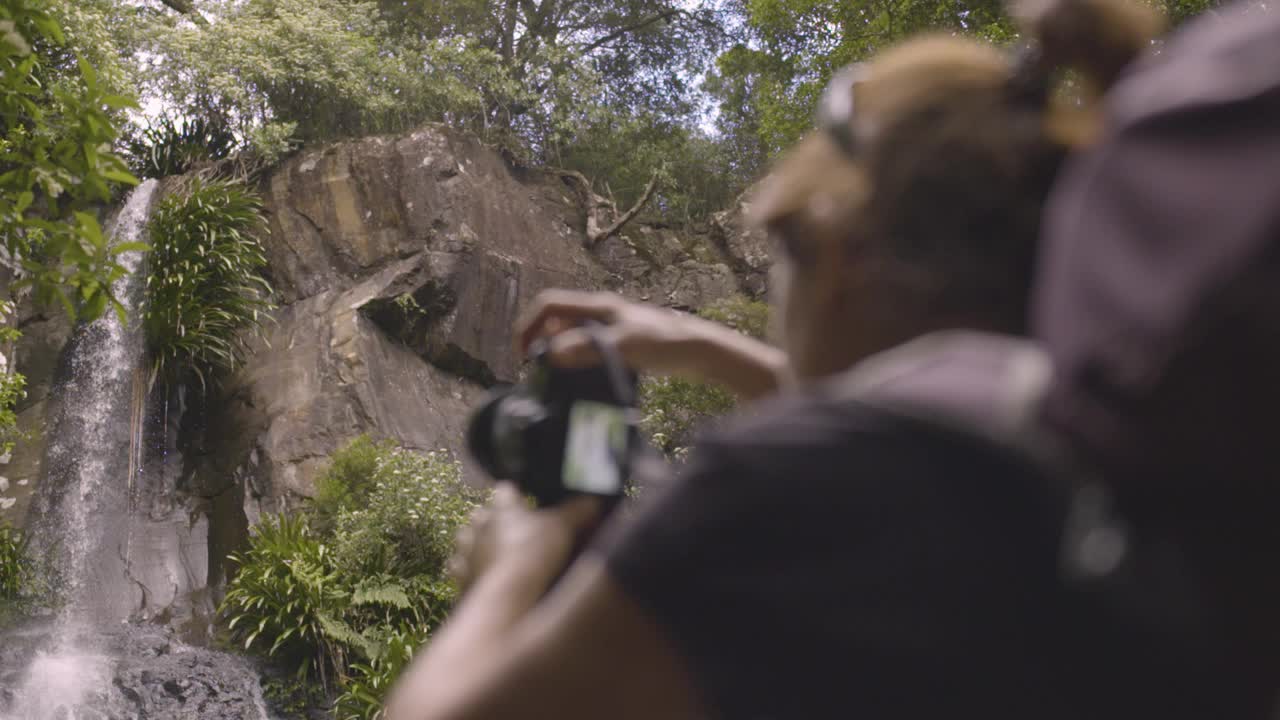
(615, 366)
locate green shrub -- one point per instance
(204, 282)
(12, 384)
(401, 519)
(361, 698)
(168, 147)
(284, 586)
(348, 477)
(673, 408)
(747, 316)
(16, 569)
(348, 589)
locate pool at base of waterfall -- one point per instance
(54, 671)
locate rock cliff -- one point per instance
(400, 264)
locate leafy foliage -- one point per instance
(171, 146)
(747, 316)
(349, 589)
(400, 520)
(204, 282)
(285, 585)
(56, 131)
(12, 384)
(769, 81)
(672, 408)
(15, 564)
(547, 80)
(370, 682)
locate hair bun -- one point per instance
(1096, 37)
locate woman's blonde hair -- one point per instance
(958, 145)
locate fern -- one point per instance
(390, 593)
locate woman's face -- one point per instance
(805, 313)
(834, 304)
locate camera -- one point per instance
(562, 431)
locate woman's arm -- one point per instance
(654, 340)
(585, 651)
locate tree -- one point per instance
(769, 82)
(532, 69)
(56, 163)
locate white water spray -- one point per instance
(94, 403)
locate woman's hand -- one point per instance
(531, 546)
(650, 339)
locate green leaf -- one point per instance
(119, 102)
(89, 74)
(94, 306)
(125, 247)
(120, 176)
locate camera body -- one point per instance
(561, 432)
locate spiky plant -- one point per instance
(15, 565)
(205, 288)
(171, 146)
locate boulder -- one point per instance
(746, 248)
(402, 264)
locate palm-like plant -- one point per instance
(204, 286)
(284, 595)
(172, 147)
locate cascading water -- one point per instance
(88, 662)
(87, 487)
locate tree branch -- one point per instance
(186, 8)
(637, 25)
(595, 238)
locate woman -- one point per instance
(815, 560)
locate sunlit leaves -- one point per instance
(56, 163)
(345, 593)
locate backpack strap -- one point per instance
(989, 388)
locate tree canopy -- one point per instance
(693, 95)
(57, 125)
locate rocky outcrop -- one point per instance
(745, 247)
(402, 264)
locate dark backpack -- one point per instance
(1138, 608)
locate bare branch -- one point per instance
(596, 237)
(186, 8)
(637, 25)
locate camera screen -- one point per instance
(597, 439)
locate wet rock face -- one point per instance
(127, 673)
(36, 355)
(159, 677)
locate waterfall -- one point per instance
(85, 496)
(88, 662)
